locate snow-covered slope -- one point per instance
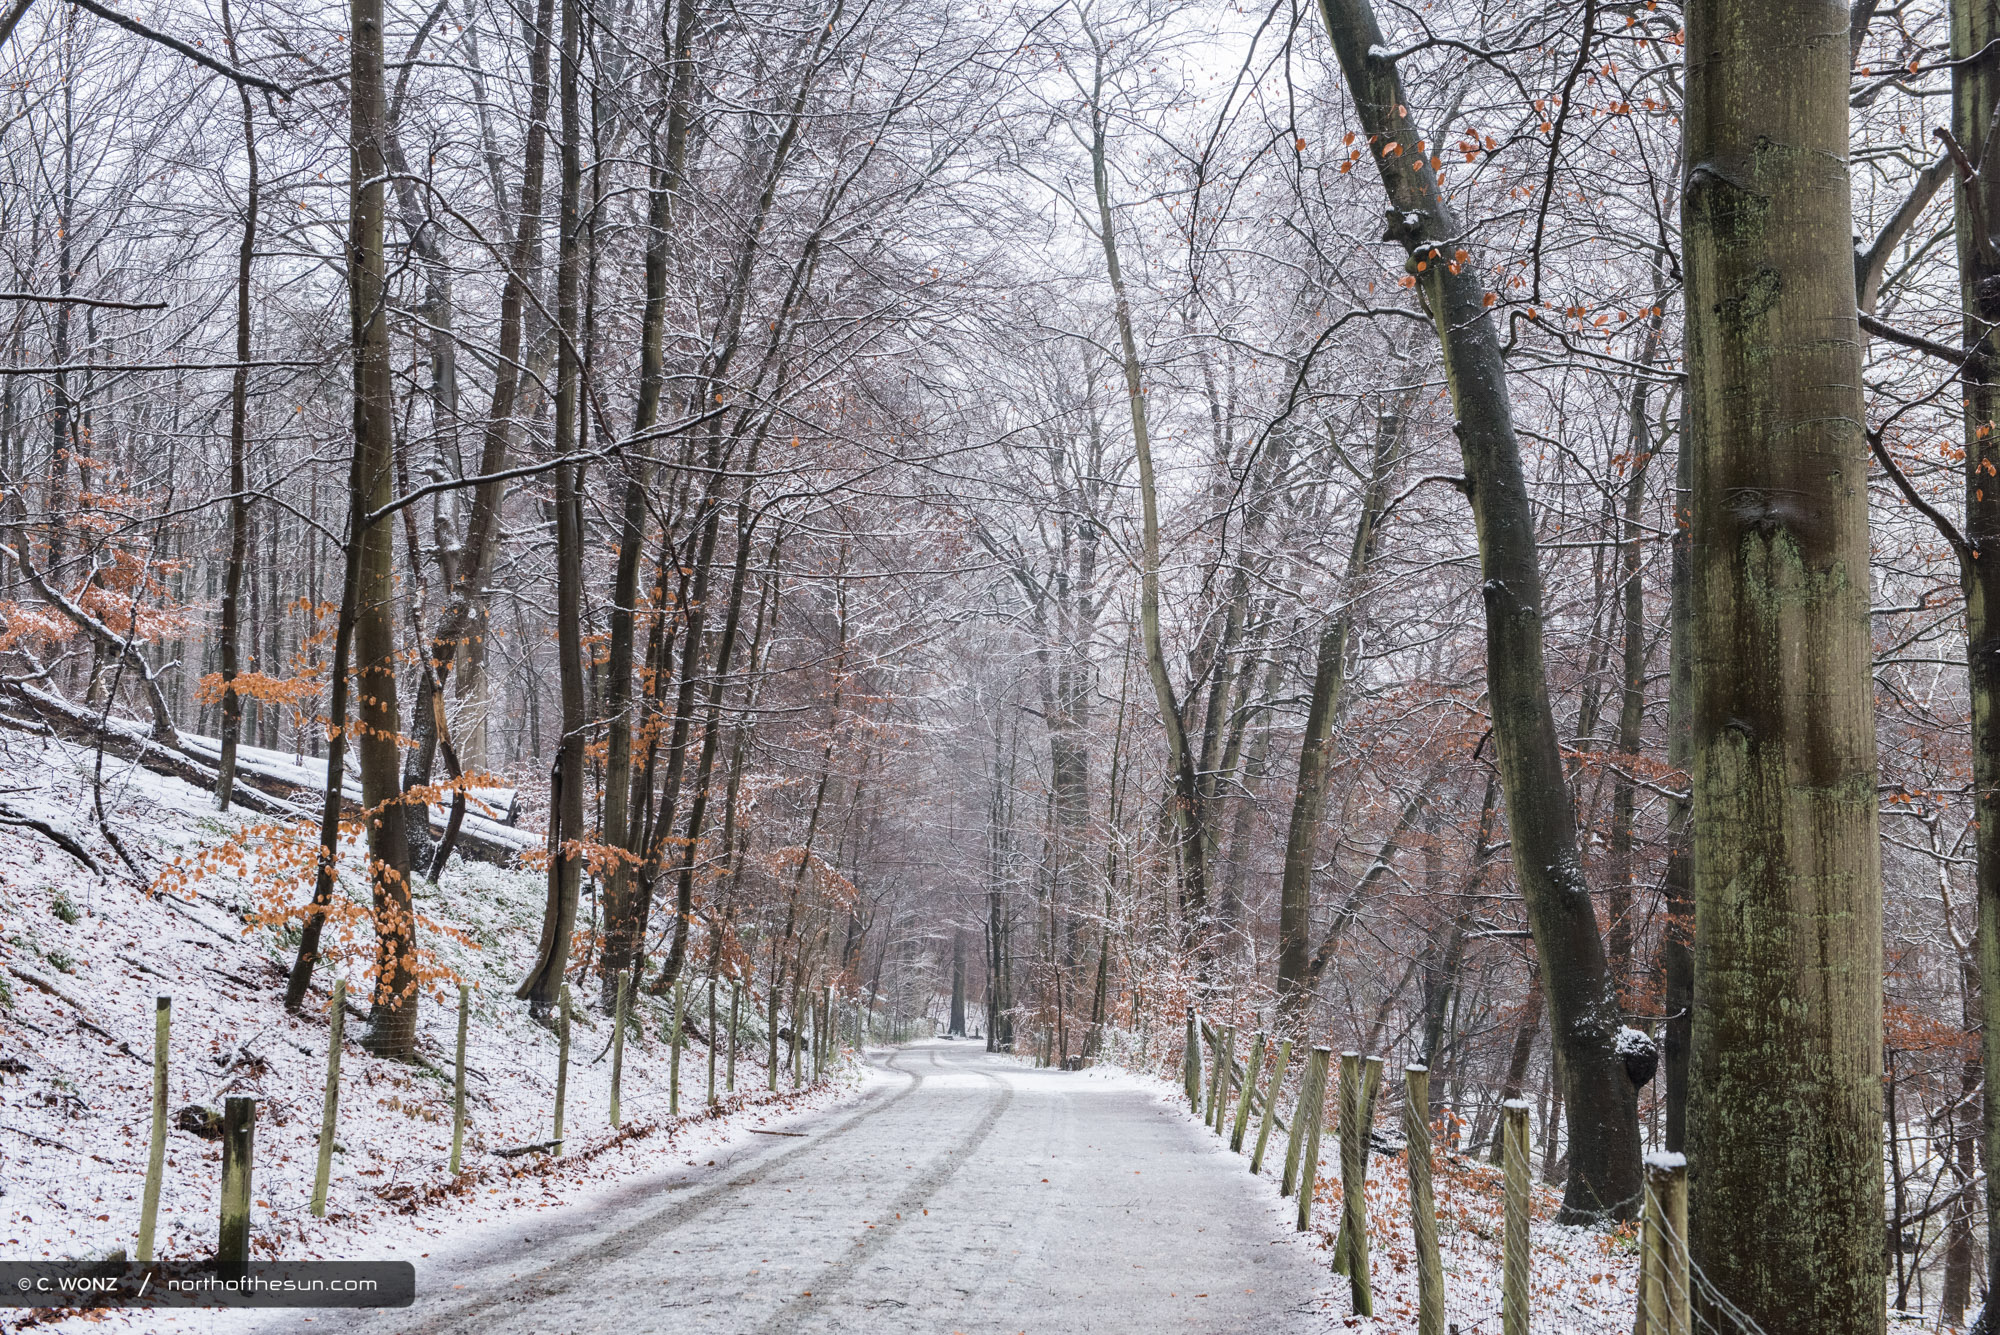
(83, 955)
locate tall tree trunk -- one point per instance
(392, 1023)
(1975, 46)
(622, 925)
(1787, 872)
(1677, 882)
(62, 434)
(1632, 688)
(1184, 802)
(239, 478)
(300, 978)
(464, 618)
(711, 740)
(1599, 1098)
(1316, 749)
(544, 981)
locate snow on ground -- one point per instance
(75, 1104)
(1583, 1281)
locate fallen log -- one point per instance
(258, 793)
(516, 1151)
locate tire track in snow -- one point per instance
(562, 1275)
(830, 1281)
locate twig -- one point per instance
(84, 301)
(175, 904)
(141, 966)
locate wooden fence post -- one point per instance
(1253, 1066)
(1664, 1297)
(711, 1038)
(156, 1152)
(822, 1012)
(1680, 1285)
(799, 1033)
(1649, 1316)
(1214, 1040)
(1225, 1078)
(620, 1006)
(239, 1135)
(1295, 1142)
(1191, 1062)
(1313, 1114)
(1271, 1093)
(562, 1062)
(674, 1047)
(1359, 1080)
(1514, 1214)
(458, 1082)
(1423, 1209)
(330, 1115)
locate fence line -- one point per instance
(1674, 1297)
(238, 1123)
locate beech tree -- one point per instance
(1787, 880)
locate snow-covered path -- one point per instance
(965, 1193)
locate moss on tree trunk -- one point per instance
(1784, 1116)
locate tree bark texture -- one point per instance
(392, 1028)
(1785, 1097)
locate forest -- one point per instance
(1440, 528)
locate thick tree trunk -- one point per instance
(1599, 1098)
(1787, 874)
(392, 1021)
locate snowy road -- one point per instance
(965, 1193)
